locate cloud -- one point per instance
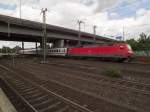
(104, 4)
(65, 13)
(9, 2)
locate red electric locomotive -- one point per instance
(117, 52)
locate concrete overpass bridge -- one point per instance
(15, 29)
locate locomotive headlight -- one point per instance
(130, 52)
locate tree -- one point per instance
(5, 49)
(133, 43)
(143, 43)
(16, 49)
(143, 38)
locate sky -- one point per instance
(110, 16)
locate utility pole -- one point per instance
(79, 22)
(123, 34)
(94, 29)
(8, 29)
(23, 46)
(44, 46)
(13, 59)
(20, 19)
(36, 48)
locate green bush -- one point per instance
(112, 72)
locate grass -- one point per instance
(112, 72)
(35, 59)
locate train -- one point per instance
(116, 52)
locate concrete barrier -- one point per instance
(5, 104)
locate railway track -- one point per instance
(137, 63)
(100, 61)
(101, 79)
(89, 67)
(30, 97)
(134, 73)
(84, 99)
(96, 62)
(135, 94)
(93, 70)
(123, 83)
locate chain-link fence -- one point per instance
(142, 53)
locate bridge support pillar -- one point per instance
(41, 45)
(67, 43)
(62, 43)
(59, 43)
(70, 43)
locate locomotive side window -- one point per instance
(121, 47)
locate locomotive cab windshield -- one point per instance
(129, 47)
